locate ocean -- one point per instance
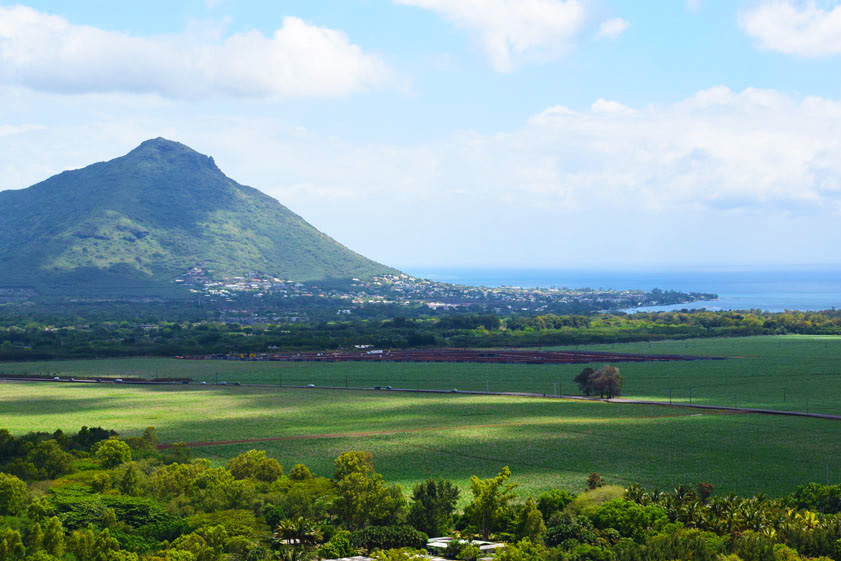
(767, 290)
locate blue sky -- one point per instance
(535, 133)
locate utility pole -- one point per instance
(670, 396)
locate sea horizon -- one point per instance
(766, 289)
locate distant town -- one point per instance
(253, 298)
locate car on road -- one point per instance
(310, 385)
(118, 381)
(56, 379)
(389, 388)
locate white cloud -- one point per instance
(510, 31)
(605, 106)
(802, 28)
(8, 130)
(721, 176)
(612, 28)
(693, 5)
(46, 52)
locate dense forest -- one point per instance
(27, 337)
(93, 496)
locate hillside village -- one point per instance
(238, 297)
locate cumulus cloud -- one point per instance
(605, 106)
(802, 28)
(510, 31)
(46, 52)
(693, 5)
(721, 175)
(612, 28)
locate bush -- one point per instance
(565, 526)
(553, 501)
(14, 497)
(586, 503)
(630, 519)
(113, 452)
(388, 537)
(339, 546)
(254, 464)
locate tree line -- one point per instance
(93, 496)
(23, 338)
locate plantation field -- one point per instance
(546, 442)
(797, 373)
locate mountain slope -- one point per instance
(143, 219)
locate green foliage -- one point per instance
(363, 497)
(300, 472)
(817, 497)
(552, 501)
(523, 550)
(254, 464)
(11, 545)
(564, 526)
(339, 546)
(113, 452)
(491, 498)
(530, 522)
(588, 502)
(630, 519)
(14, 496)
(48, 459)
(399, 554)
(388, 537)
(433, 503)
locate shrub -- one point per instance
(630, 519)
(113, 452)
(338, 546)
(586, 503)
(14, 497)
(388, 537)
(254, 464)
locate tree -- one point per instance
(254, 464)
(300, 472)
(594, 480)
(530, 523)
(606, 381)
(34, 538)
(433, 503)
(490, 501)
(11, 546)
(54, 537)
(129, 483)
(364, 498)
(297, 539)
(583, 380)
(14, 497)
(113, 452)
(50, 459)
(552, 501)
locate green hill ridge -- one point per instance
(137, 222)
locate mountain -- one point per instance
(136, 223)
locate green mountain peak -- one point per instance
(145, 218)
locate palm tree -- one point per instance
(297, 538)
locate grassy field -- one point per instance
(791, 372)
(546, 442)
